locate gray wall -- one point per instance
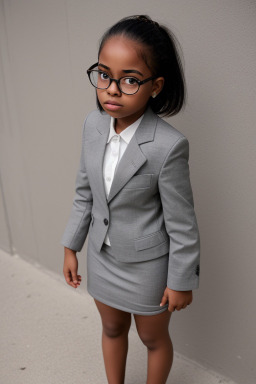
(46, 47)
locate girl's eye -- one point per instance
(130, 81)
(103, 76)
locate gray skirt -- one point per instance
(131, 287)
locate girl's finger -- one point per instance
(163, 301)
(69, 281)
(74, 278)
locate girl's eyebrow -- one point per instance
(132, 71)
(124, 70)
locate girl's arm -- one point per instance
(180, 221)
(77, 227)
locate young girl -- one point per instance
(134, 198)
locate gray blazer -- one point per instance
(149, 210)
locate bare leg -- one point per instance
(154, 333)
(115, 329)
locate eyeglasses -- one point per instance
(127, 84)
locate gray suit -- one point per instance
(149, 210)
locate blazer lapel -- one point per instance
(133, 157)
(95, 153)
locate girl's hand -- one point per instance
(70, 268)
(177, 299)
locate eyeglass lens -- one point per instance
(101, 80)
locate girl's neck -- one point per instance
(122, 124)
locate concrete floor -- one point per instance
(51, 334)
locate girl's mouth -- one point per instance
(112, 105)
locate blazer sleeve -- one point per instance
(77, 227)
(180, 219)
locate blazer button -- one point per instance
(105, 221)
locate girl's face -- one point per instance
(120, 57)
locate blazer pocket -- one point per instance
(139, 181)
(149, 241)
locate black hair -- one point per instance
(161, 56)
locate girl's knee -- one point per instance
(154, 341)
(150, 342)
(114, 329)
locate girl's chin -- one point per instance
(114, 112)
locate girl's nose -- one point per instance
(113, 89)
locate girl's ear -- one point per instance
(157, 86)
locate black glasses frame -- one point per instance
(140, 82)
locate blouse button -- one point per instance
(105, 221)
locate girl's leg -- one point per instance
(115, 329)
(154, 333)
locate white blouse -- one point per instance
(115, 148)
